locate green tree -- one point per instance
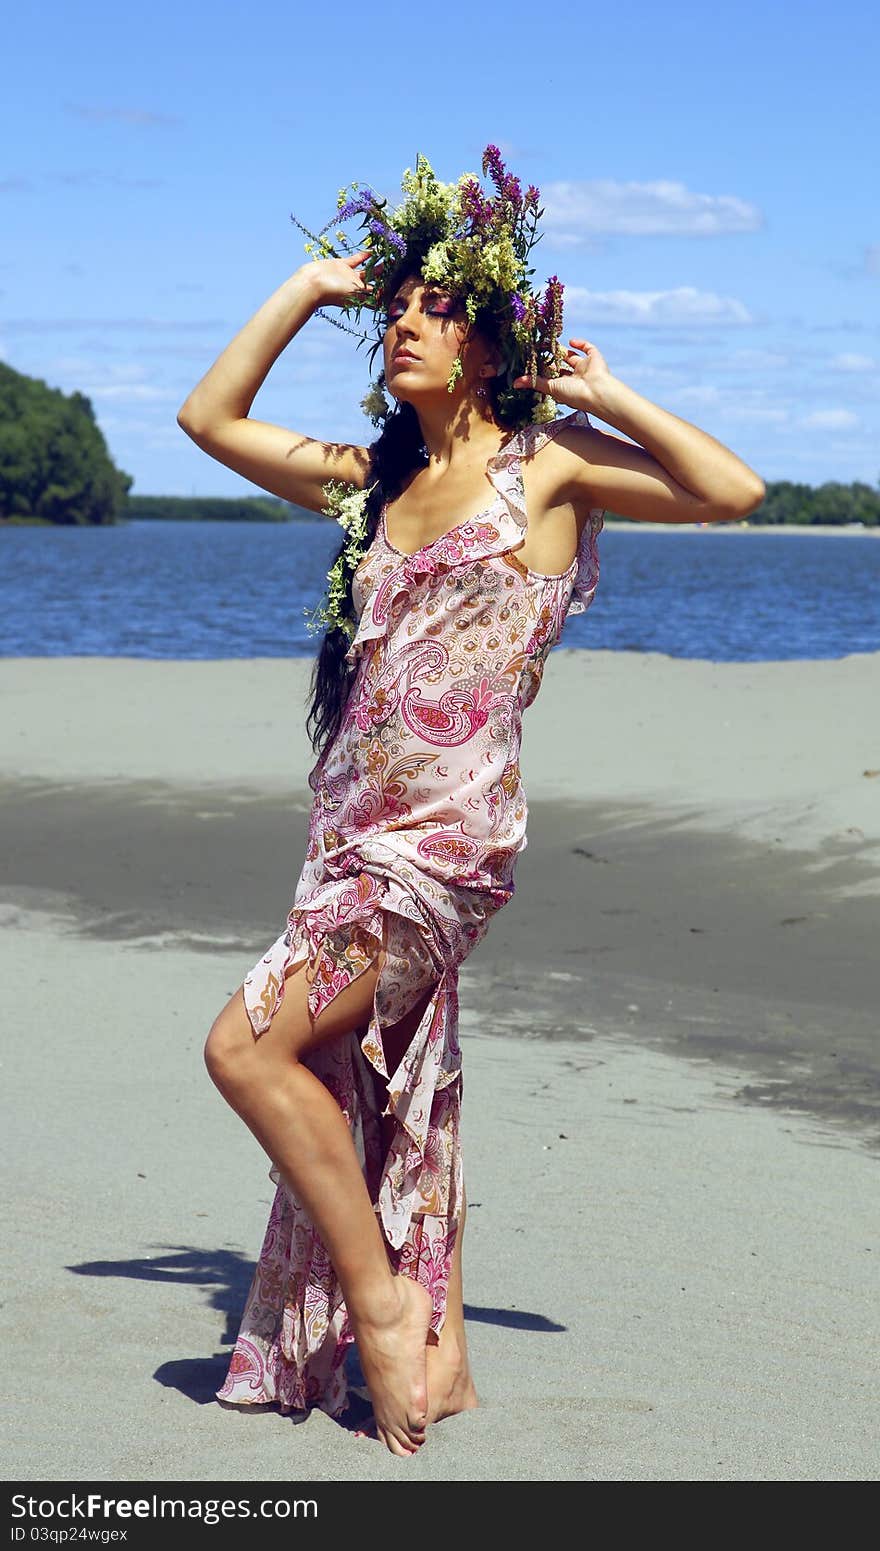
(54, 462)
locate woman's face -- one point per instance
(430, 326)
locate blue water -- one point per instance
(217, 589)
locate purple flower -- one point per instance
(358, 205)
(512, 190)
(552, 299)
(493, 164)
(473, 205)
(379, 229)
(517, 307)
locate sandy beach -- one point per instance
(672, 1075)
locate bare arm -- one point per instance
(216, 414)
(677, 473)
(670, 472)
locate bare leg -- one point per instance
(299, 1124)
(450, 1381)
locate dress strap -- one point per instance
(505, 472)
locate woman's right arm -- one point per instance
(215, 415)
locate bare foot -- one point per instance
(450, 1382)
(450, 1389)
(392, 1356)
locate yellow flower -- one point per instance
(454, 374)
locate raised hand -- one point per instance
(341, 280)
(578, 387)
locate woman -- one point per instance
(340, 1048)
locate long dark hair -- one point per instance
(397, 452)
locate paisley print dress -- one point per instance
(418, 816)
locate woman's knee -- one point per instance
(230, 1040)
(234, 1055)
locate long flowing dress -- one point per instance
(418, 816)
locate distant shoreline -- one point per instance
(847, 530)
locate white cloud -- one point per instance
(141, 118)
(163, 437)
(757, 414)
(116, 325)
(704, 394)
(683, 305)
(740, 362)
(831, 420)
(849, 361)
(131, 392)
(576, 213)
(71, 366)
(107, 381)
(757, 360)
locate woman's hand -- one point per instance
(338, 280)
(579, 387)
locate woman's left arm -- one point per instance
(676, 473)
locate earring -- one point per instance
(481, 391)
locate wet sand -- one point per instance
(695, 942)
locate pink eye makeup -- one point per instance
(441, 306)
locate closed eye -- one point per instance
(437, 309)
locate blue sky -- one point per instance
(708, 176)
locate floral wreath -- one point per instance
(475, 247)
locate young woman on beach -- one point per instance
(470, 534)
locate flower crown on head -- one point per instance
(476, 248)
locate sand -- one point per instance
(672, 1108)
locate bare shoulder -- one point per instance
(287, 463)
(595, 469)
(563, 464)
